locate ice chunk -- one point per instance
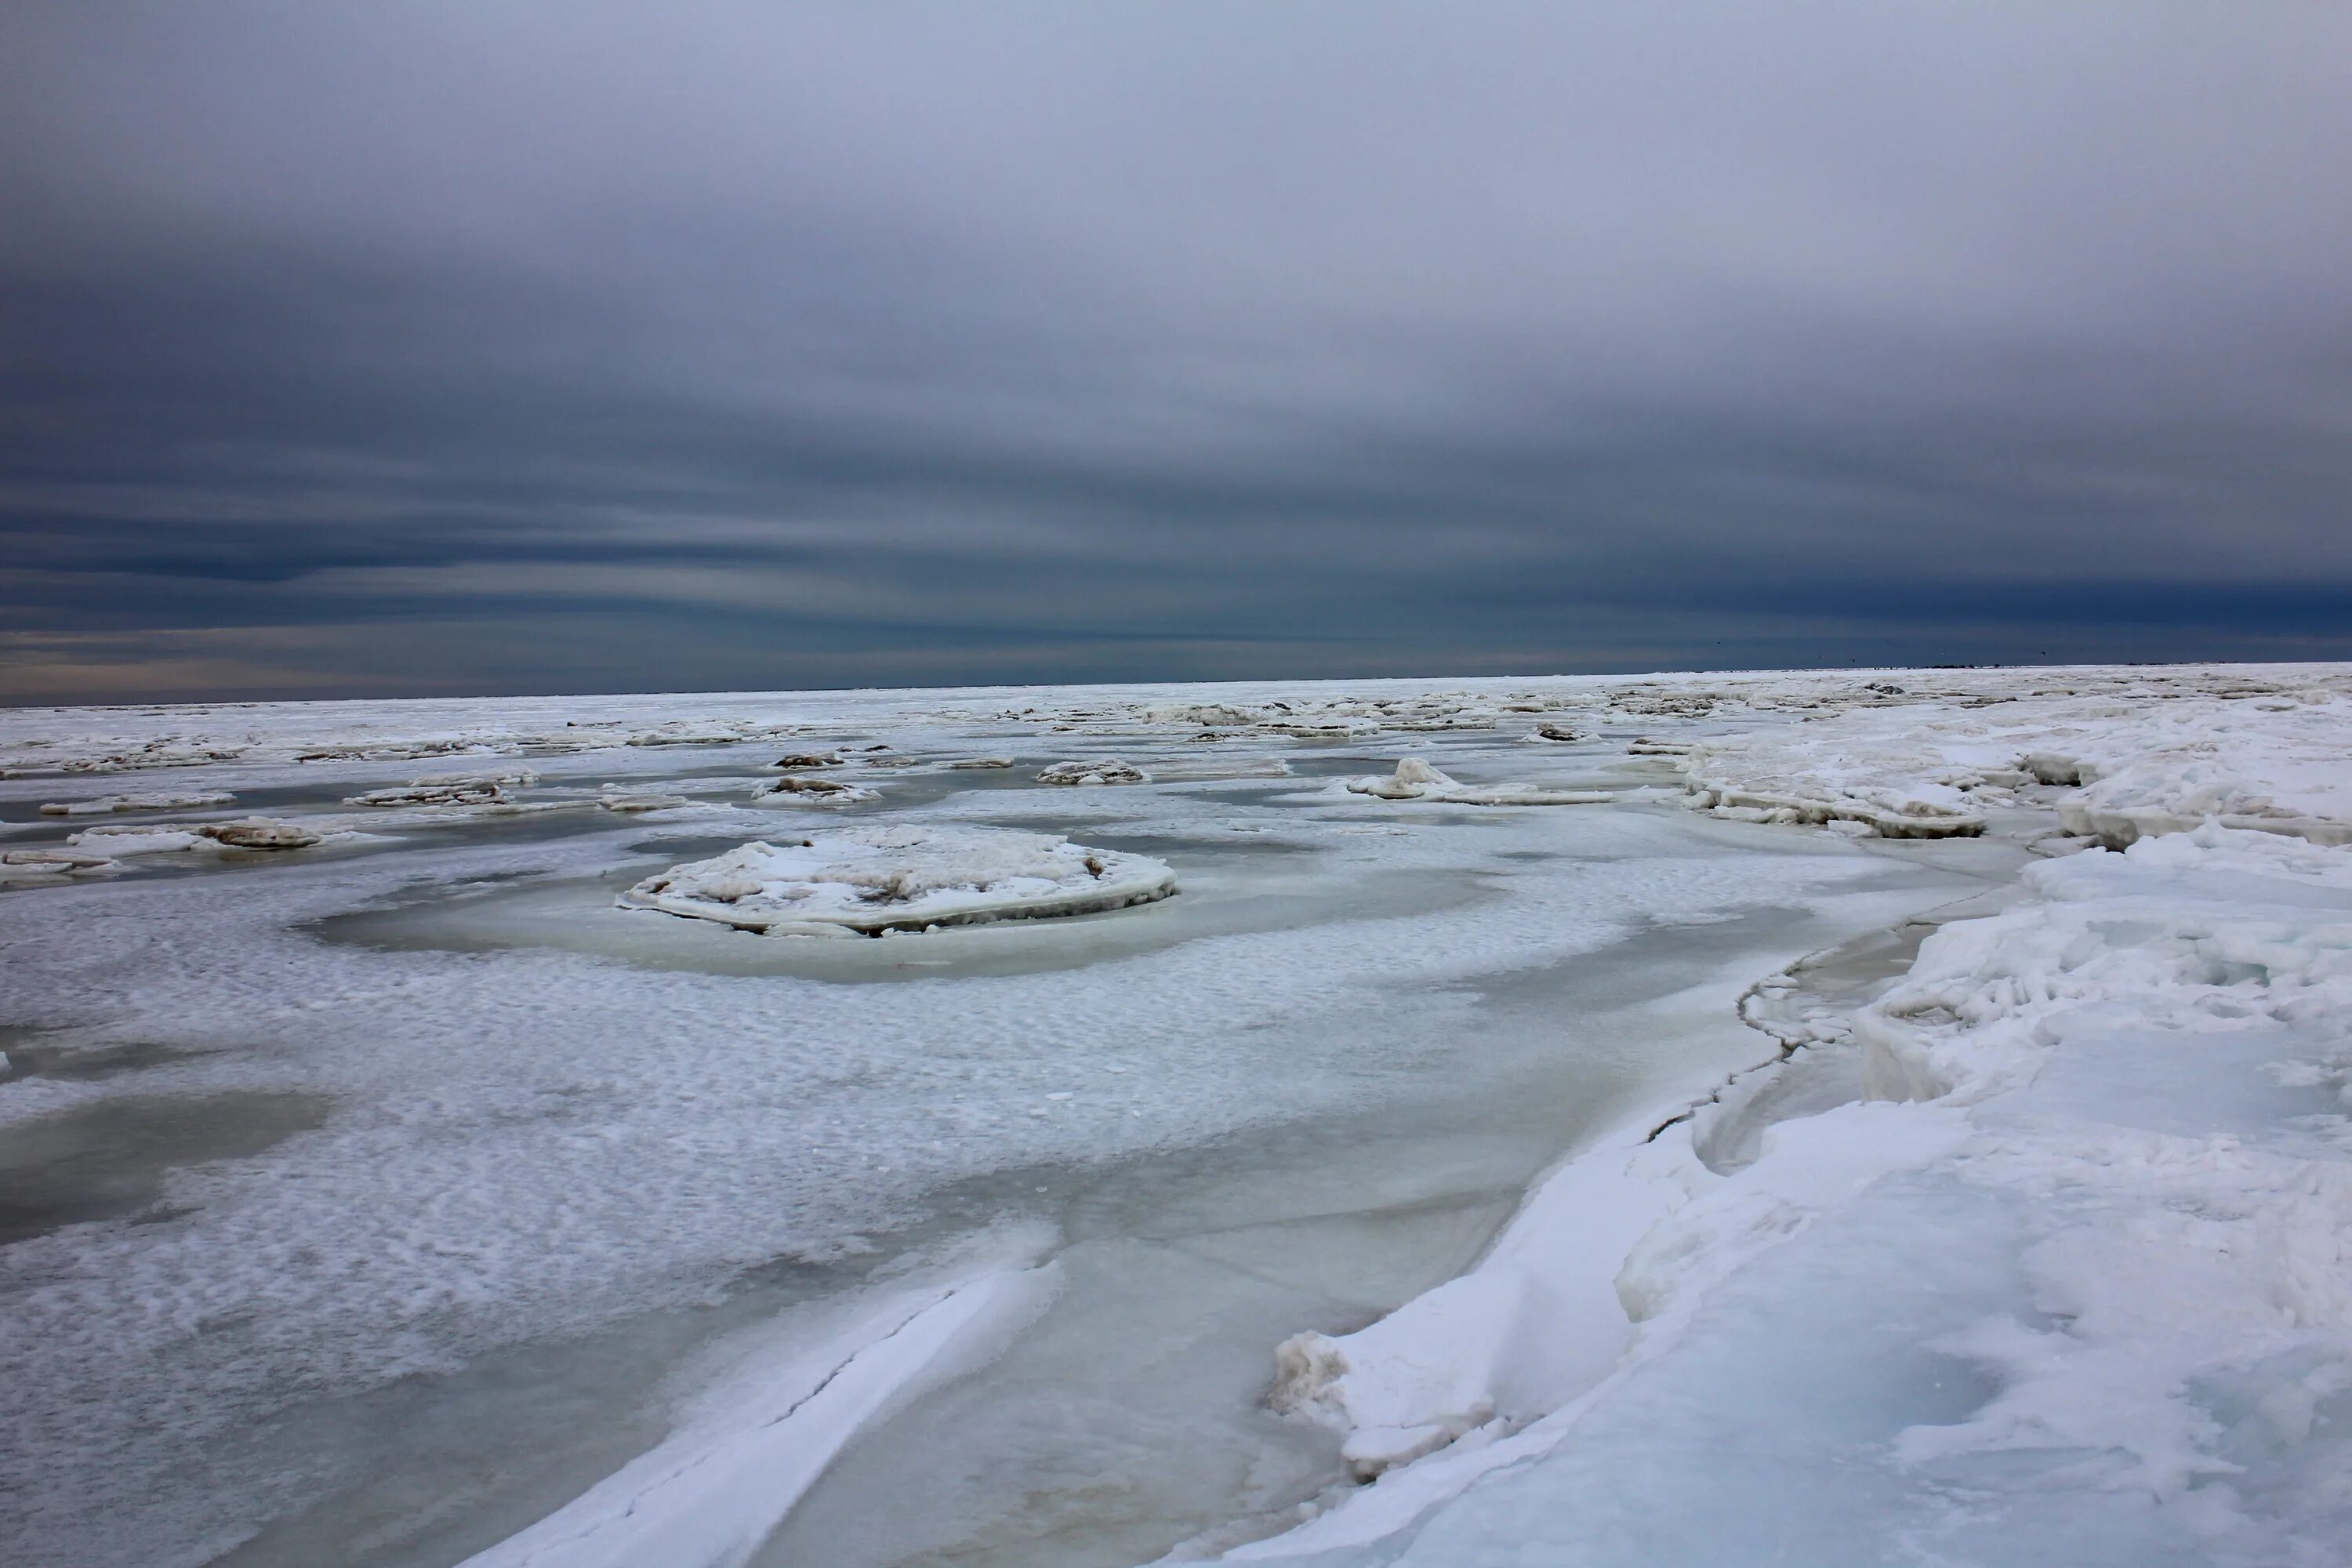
(259, 832)
(20, 864)
(142, 838)
(457, 791)
(792, 761)
(633, 803)
(1105, 771)
(158, 800)
(880, 879)
(1415, 779)
(799, 789)
(982, 762)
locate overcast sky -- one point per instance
(490, 347)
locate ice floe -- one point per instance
(1105, 772)
(450, 792)
(633, 803)
(260, 833)
(1418, 779)
(47, 864)
(876, 880)
(802, 789)
(153, 800)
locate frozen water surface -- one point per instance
(402, 1200)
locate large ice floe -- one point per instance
(1905, 1118)
(877, 881)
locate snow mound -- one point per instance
(1417, 780)
(1105, 771)
(157, 800)
(798, 789)
(876, 880)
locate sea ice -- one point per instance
(2074, 1290)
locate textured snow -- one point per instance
(883, 879)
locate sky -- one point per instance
(487, 348)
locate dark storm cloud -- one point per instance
(563, 348)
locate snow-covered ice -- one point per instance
(896, 879)
(1103, 771)
(148, 800)
(1901, 1118)
(801, 789)
(1415, 778)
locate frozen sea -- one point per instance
(399, 1197)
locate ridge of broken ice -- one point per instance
(2149, 761)
(873, 882)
